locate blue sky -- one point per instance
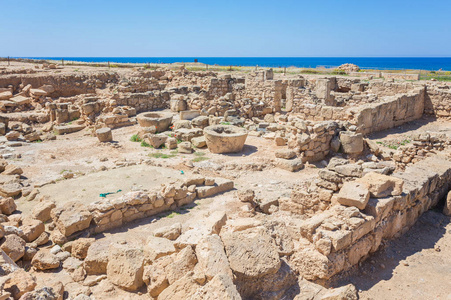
(225, 28)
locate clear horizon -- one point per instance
(352, 28)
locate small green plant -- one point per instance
(161, 155)
(144, 144)
(135, 138)
(173, 214)
(225, 123)
(338, 72)
(199, 159)
(199, 153)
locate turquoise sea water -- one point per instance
(381, 63)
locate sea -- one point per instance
(380, 63)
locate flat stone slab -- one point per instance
(65, 129)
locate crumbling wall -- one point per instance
(142, 102)
(396, 110)
(111, 213)
(65, 85)
(438, 102)
(337, 239)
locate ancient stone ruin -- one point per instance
(166, 183)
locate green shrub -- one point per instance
(135, 138)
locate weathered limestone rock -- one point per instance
(80, 247)
(171, 143)
(157, 247)
(199, 142)
(292, 165)
(47, 293)
(42, 210)
(351, 142)
(32, 229)
(104, 135)
(125, 266)
(285, 153)
(169, 232)
(381, 186)
(200, 122)
(183, 262)
(72, 217)
(187, 135)
(184, 288)
(10, 189)
(96, 260)
(252, 252)
(211, 257)
(354, 194)
(7, 205)
(45, 260)
(220, 287)
(19, 283)
(155, 276)
(246, 195)
(14, 247)
(347, 292)
(178, 105)
(185, 147)
(156, 140)
(12, 170)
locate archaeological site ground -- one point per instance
(181, 182)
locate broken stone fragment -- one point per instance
(381, 186)
(354, 194)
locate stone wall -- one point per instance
(142, 102)
(65, 85)
(437, 102)
(401, 76)
(110, 213)
(396, 110)
(338, 238)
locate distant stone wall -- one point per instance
(437, 102)
(65, 85)
(396, 110)
(401, 76)
(143, 102)
(339, 238)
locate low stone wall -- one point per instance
(338, 238)
(65, 85)
(143, 102)
(437, 102)
(401, 76)
(396, 110)
(111, 213)
(366, 74)
(421, 146)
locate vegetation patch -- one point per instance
(135, 138)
